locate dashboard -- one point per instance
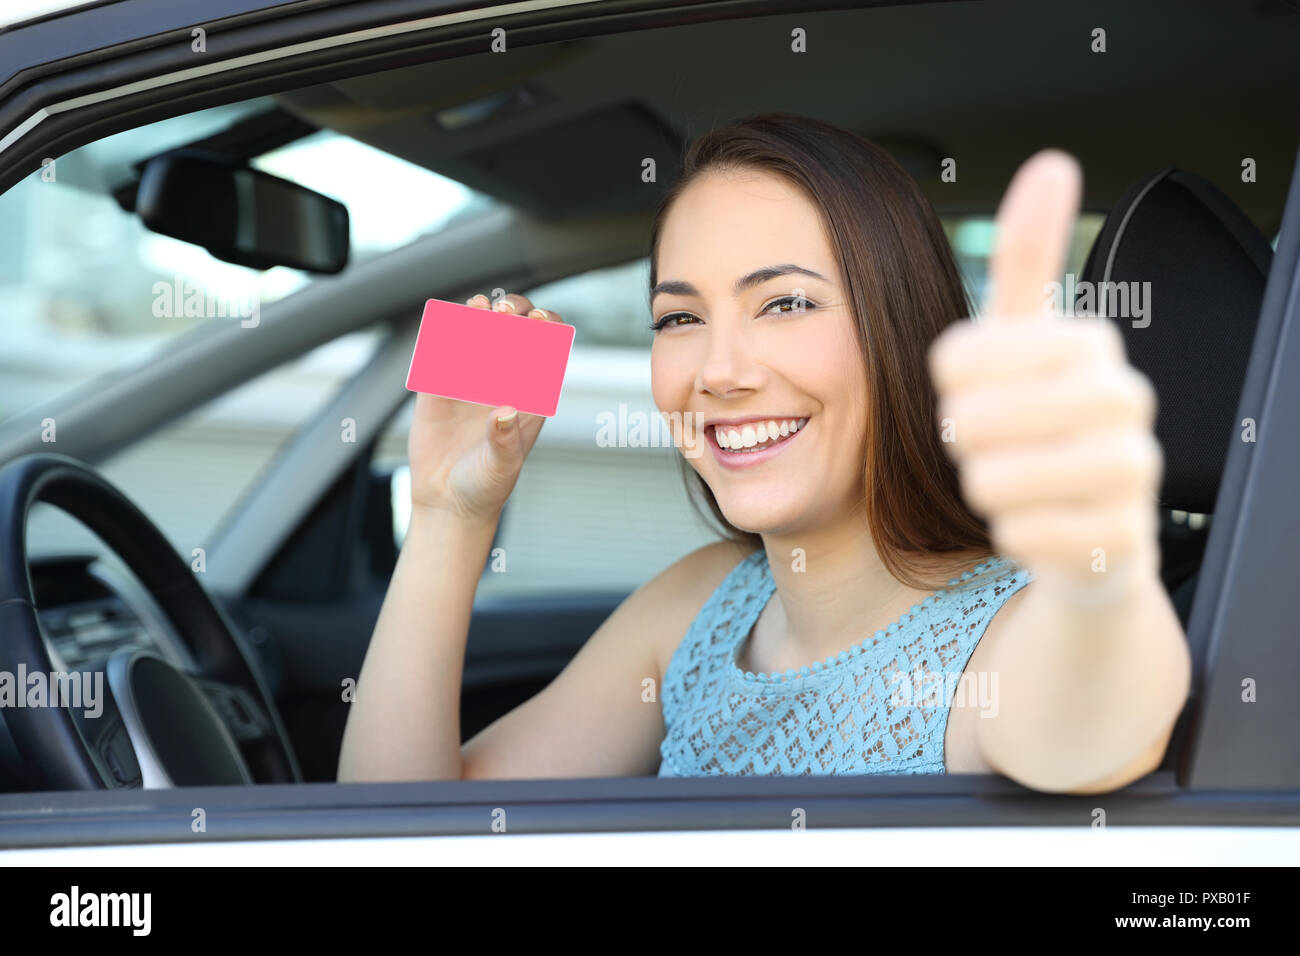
(89, 609)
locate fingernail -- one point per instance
(537, 314)
(505, 305)
(508, 419)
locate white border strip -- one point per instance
(885, 846)
(264, 56)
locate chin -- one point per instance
(761, 517)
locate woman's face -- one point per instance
(735, 356)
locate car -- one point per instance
(202, 437)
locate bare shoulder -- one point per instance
(674, 596)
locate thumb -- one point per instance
(1033, 230)
(505, 442)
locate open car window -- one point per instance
(88, 290)
(89, 293)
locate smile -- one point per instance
(751, 443)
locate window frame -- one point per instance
(1240, 626)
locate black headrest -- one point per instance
(1206, 264)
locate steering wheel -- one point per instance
(157, 727)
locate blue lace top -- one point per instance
(879, 707)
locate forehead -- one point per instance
(725, 224)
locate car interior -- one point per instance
(546, 146)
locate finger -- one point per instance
(967, 353)
(995, 415)
(513, 302)
(507, 418)
(1047, 408)
(546, 315)
(504, 443)
(1033, 230)
(1119, 465)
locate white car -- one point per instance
(229, 420)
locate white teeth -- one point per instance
(752, 435)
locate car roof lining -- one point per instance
(1192, 83)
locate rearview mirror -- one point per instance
(240, 214)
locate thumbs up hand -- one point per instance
(1050, 427)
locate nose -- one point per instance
(728, 365)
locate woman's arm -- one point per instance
(405, 720)
(1087, 694)
(465, 460)
(1055, 447)
(602, 716)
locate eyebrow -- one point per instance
(679, 287)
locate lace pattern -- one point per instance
(879, 707)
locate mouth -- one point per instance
(750, 443)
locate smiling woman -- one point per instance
(825, 462)
(863, 617)
(837, 340)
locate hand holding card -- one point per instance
(490, 357)
(486, 378)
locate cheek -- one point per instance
(824, 357)
(826, 363)
(670, 379)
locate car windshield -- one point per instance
(86, 289)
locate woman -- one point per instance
(862, 618)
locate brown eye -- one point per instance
(794, 302)
(669, 321)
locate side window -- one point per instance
(90, 293)
(597, 507)
(192, 473)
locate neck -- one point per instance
(832, 590)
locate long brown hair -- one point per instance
(904, 288)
